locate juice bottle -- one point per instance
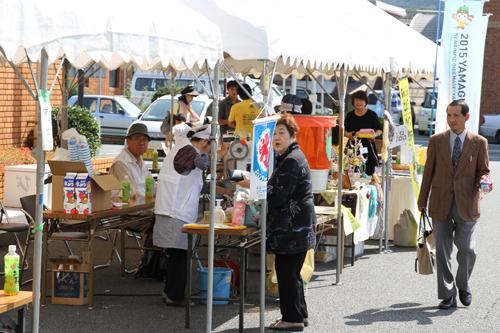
(126, 189)
(11, 259)
(149, 188)
(155, 159)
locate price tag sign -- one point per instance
(400, 136)
(46, 120)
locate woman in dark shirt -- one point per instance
(291, 222)
(362, 118)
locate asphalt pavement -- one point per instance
(380, 293)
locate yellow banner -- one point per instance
(404, 92)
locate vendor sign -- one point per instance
(263, 131)
(46, 120)
(404, 91)
(462, 52)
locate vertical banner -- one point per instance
(404, 92)
(462, 53)
(46, 120)
(263, 130)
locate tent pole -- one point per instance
(387, 98)
(213, 181)
(265, 95)
(341, 85)
(39, 155)
(322, 87)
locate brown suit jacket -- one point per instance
(443, 184)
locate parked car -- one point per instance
(157, 111)
(490, 126)
(114, 113)
(397, 115)
(424, 122)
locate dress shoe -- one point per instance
(286, 326)
(448, 303)
(306, 321)
(465, 297)
(180, 304)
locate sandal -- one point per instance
(286, 326)
(306, 321)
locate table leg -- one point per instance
(21, 319)
(242, 286)
(189, 276)
(91, 264)
(122, 250)
(44, 263)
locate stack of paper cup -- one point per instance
(84, 155)
(73, 149)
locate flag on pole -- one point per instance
(462, 53)
(263, 131)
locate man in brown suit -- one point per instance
(457, 162)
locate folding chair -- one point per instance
(14, 228)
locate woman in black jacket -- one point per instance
(291, 222)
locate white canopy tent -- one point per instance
(261, 34)
(105, 32)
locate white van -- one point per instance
(144, 85)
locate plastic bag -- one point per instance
(306, 273)
(405, 231)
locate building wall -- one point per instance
(18, 109)
(490, 96)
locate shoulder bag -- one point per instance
(426, 248)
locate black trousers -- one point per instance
(291, 287)
(175, 287)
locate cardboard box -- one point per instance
(101, 185)
(69, 193)
(83, 193)
(70, 288)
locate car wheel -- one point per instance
(421, 132)
(401, 121)
(497, 136)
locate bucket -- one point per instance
(319, 179)
(221, 283)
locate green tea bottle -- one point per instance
(126, 189)
(11, 259)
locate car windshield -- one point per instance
(129, 106)
(158, 110)
(428, 100)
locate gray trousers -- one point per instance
(451, 230)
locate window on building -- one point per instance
(113, 78)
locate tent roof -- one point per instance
(321, 36)
(109, 33)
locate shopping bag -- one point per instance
(406, 229)
(426, 248)
(306, 273)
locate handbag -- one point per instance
(426, 248)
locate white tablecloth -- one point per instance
(401, 197)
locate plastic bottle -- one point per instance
(126, 189)
(219, 214)
(149, 188)
(155, 159)
(11, 259)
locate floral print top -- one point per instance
(291, 217)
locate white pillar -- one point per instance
(284, 85)
(313, 98)
(323, 93)
(293, 88)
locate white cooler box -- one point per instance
(20, 181)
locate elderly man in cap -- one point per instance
(129, 162)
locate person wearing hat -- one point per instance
(291, 104)
(184, 106)
(129, 162)
(180, 184)
(242, 114)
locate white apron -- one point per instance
(177, 201)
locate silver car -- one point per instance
(115, 114)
